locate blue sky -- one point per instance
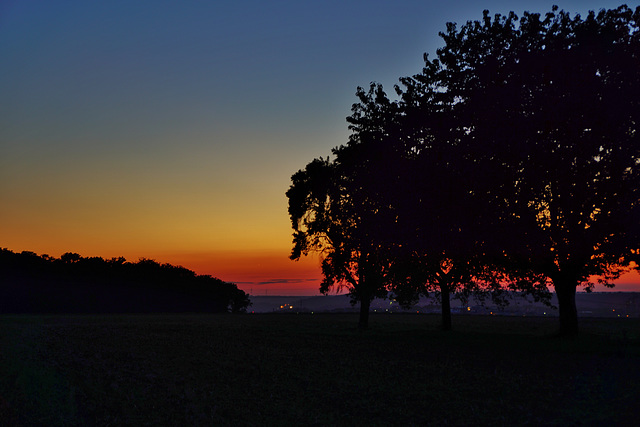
(170, 130)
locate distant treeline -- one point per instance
(31, 283)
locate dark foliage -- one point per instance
(550, 108)
(512, 162)
(332, 218)
(73, 284)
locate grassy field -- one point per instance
(315, 370)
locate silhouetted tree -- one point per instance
(396, 198)
(442, 225)
(512, 159)
(398, 166)
(325, 221)
(550, 108)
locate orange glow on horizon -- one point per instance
(628, 282)
(261, 272)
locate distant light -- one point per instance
(290, 306)
(468, 308)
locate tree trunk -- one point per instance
(363, 323)
(446, 308)
(566, 293)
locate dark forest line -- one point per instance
(31, 283)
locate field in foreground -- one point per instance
(315, 370)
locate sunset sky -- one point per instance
(170, 129)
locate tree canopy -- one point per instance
(551, 109)
(511, 161)
(325, 221)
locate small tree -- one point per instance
(325, 221)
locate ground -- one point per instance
(286, 369)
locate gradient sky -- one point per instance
(170, 129)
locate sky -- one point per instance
(170, 129)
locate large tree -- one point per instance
(442, 223)
(436, 234)
(550, 109)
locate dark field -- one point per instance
(315, 370)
